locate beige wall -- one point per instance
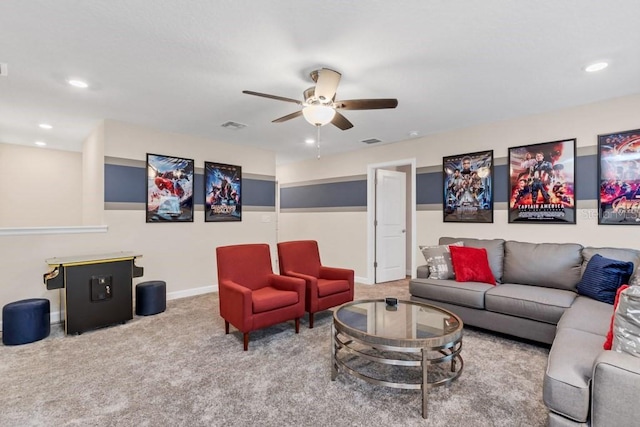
(40, 187)
(346, 241)
(93, 177)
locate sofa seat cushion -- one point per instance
(552, 265)
(531, 302)
(588, 315)
(494, 247)
(468, 294)
(569, 368)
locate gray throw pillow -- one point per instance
(439, 260)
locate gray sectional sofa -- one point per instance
(536, 298)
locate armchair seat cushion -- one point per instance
(269, 298)
(328, 287)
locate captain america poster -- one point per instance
(542, 183)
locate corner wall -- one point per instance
(93, 177)
(40, 187)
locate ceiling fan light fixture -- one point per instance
(318, 115)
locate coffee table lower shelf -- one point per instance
(344, 345)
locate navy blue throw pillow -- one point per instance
(603, 277)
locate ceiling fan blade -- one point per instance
(266, 95)
(287, 117)
(341, 122)
(366, 104)
(327, 84)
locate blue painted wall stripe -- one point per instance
(257, 192)
(428, 188)
(587, 180)
(124, 184)
(500, 183)
(127, 184)
(336, 194)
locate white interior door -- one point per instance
(390, 226)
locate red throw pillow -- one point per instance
(608, 343)
(471, 265)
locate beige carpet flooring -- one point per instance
(178, 368)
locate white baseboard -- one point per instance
(363, 280)
(192, 292)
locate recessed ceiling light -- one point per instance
(78, 83)
(45, 126)
(596, 67)
(41, 143)
(309, 141)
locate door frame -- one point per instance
(371, 213)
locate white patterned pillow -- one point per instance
(439, 260)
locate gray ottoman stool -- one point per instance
(151, 297)
(25, 321)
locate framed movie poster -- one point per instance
(223, 190)
(542, 183)
(619, 178)
(169, 189)
(468, 187)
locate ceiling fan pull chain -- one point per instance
(318, 141)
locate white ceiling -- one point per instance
(181, 66)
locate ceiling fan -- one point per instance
(320, 107)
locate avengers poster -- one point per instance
(222, 199)
(619, 172)
(169, 189)
(542, 183)
(468, 187)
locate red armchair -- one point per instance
(326, 287)
(251, 296)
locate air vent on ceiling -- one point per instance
(371, 141)
(4, 70)
(233, 125)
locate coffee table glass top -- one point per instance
(407, 321)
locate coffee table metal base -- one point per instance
(344, 345)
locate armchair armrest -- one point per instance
(616, 377)
(287, 284)
(334, 273)
(310, 280)
(236, 304)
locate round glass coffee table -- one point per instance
(405, 335)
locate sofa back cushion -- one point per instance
(621, 254)
(494, 247)
(552, 265)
